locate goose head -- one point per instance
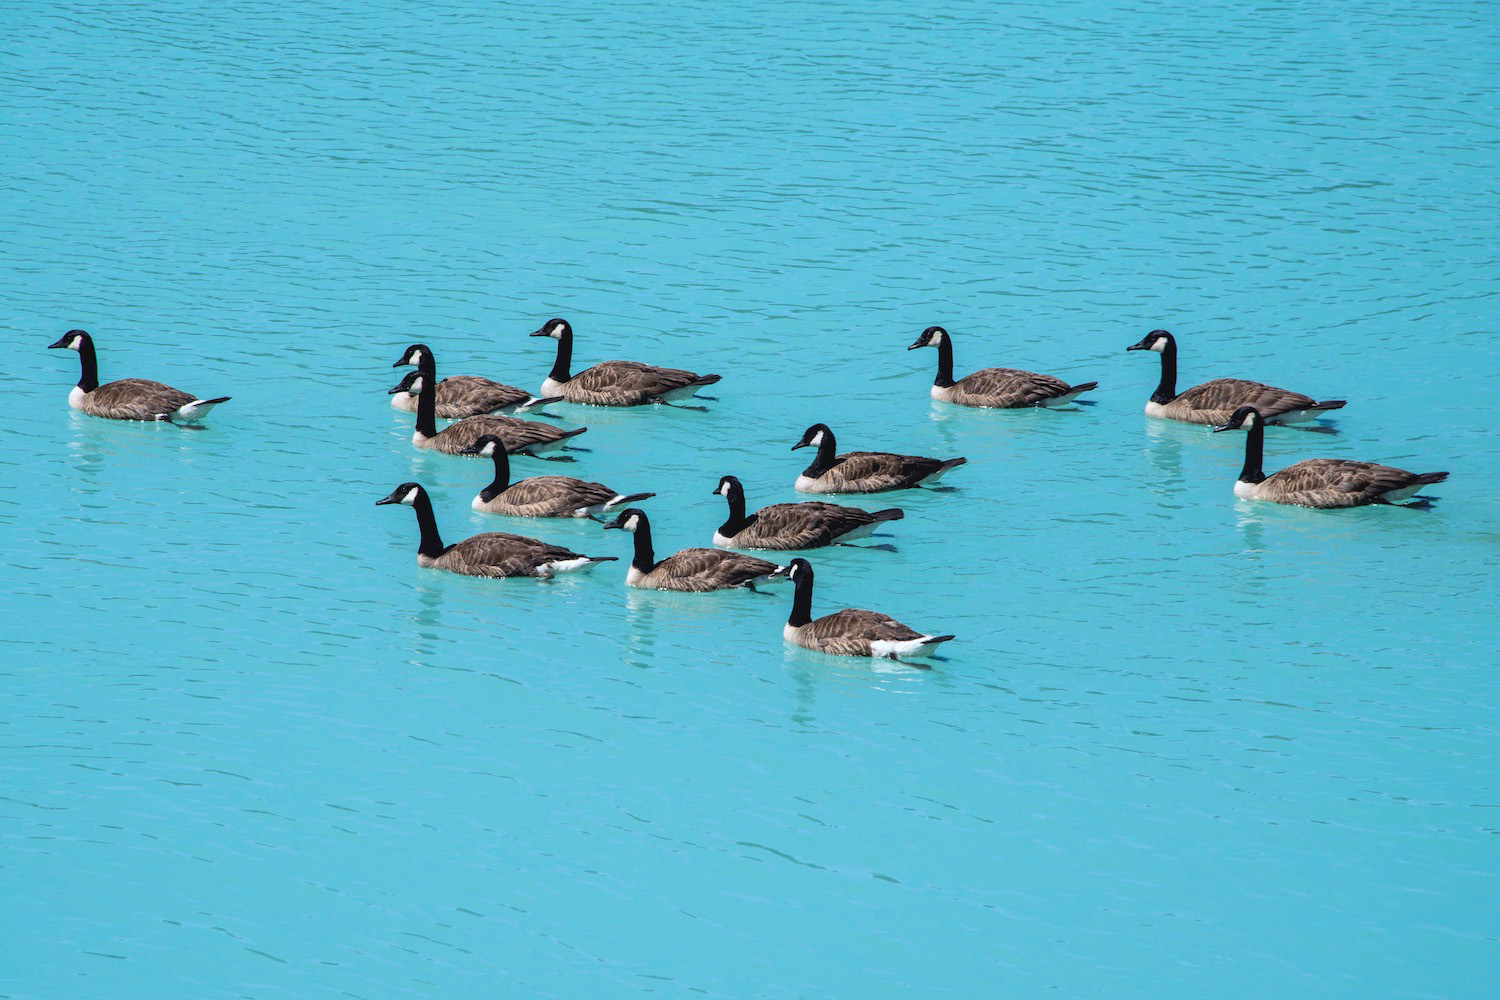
(930, 337)
(1245, 416)
(799, 569)
(488, 445)
(406, 493)
(630, 519)
(412, 383)
(73, 340)
(416, 354)
(729, 486)
(814, 437)
(554, 328)
(1156, 340)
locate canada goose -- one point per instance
(850, 632)
(493, 553)
(614, 383)
(541, 496)
(864, 471)
(1213, 402)
(525, 437)
(128, 398)
(1001, 388)
(806, 525)
(1319, 482)
(690, 569)
(460, 396)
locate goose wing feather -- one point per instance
(806, 525)
(544, 496)
(708, 569)
(514, 433)
(134, 399)
(470, 395)
(500, 553)
(851, 631)
(1335, 482)
(872, 471)
(612, 382)
(1007, 387)
(1215, 402)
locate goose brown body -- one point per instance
(542, 496)
(694, 569)
(864, 471)
(994, 388)
(614, 383)
(807, 525)
(460, 438)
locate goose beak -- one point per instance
(1137, 347)
(799, 444)
(540, 333)
(618, 522)
(1226, 427)
(392, 392)
(390, 499)
(472, 449)
(920, 343)
(402, 363)
(60, 343)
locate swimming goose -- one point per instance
(614, 383)
(1001, 388)
(806, 525)
(541, 496)
(460, 396)
(690, 569)
(1319, 482)
(128, 398)
(525, 437)
(850, 632)
(1213, 402)
(493, 553)
(864, 471)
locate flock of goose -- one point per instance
(479, 428)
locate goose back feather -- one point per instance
(542, 496)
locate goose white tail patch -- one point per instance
(672, 395)
(863, 531)
(909, 648)
(567, 565)
(191, 412)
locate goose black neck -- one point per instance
(89, 381)
(737, 520)
(823, 461)
(1166, 389)
(802, 600)
(502, 475)
(945, 362)
(427, 404)
(432, 542)
(645, 557)
(1255, 446)
(564, 360)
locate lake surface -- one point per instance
(1183, 745)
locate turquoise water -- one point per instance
(1183, 746)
